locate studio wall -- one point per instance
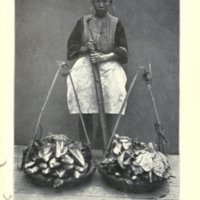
(42, 28)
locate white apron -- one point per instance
(113, 80)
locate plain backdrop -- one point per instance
(42, 28)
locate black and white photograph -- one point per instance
(96, 99)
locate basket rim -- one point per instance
(136, 187)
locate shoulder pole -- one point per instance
(158, 126)
(42, 111)
(77, 102)
(120, 113)
(99, 93)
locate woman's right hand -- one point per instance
(83, 49)
(87, 48)
(91, 46)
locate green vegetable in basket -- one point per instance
(46, 171)
(77, 155)
(32, 170)
(57, 159)
(81, 169)
(29, 164)
(67, 159)
(61, 150)
(43, 165)
(135, 161)
(60, 173)
(53, 163)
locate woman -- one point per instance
(105, 34)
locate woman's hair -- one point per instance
(109, 0)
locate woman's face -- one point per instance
(101, 7)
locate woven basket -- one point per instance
(40, 180)
(137, 186)
(68, 179)
(134, 166)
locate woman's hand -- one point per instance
(89, 47)
(83, 49)
(98, 58)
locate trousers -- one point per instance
(93, 127)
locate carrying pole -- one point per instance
(99, 92)
(120, 113)
(77, 102)
(42, 111)
(158, 126)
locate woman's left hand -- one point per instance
(97, 58)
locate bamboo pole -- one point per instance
(79, 108)
(99, 93)
(42, 110)
(120, 113)
(158, 126)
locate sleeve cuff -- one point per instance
(122, 54)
